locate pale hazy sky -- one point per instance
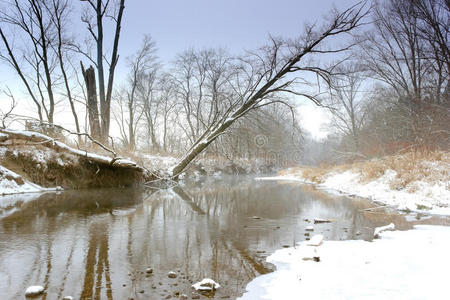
(176, 25)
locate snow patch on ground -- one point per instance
(435, 196)
(13, 183)
(401, 265)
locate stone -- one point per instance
(149, 270)
(318, 221)
(206, 284)
(309, 228)
(34, 290)
(183, 297)
(316, 240)
(67, 298)
(172, 274)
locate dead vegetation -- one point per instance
(409, 168)
(49, 168)
(49, 162)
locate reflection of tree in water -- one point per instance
(97, 269)
(203, 232)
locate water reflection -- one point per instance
(97, 244)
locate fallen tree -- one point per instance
(265, 76)
(44, 140)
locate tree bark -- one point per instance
(92, 104)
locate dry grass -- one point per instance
(430, 166)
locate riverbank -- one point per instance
(411, 182)
(401, 265)
(34, 162)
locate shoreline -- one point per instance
(355, 191)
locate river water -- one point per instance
(98, 244)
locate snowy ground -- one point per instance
(410, 264)
(433, 198)
(13, 183)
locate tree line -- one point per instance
(386, 85)
(393, 95)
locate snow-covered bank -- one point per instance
(401, 265)
(403, 181)
(13, 183)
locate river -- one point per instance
(100, 244)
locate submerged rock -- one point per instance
(34, 290)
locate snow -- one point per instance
(34, 290)
(378, 230)
(106, 159)
(309, 228)
(206, 284)
(315, 240)
(401, 265)
(435, 197)
(13, 183)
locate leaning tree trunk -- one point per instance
(92, 105)
(273, 81)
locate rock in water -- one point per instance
(172, 274)
(318, 221)
(34, 290)
(206, 284)
(183, 297)
(378, 230)
(316, 240)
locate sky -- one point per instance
(236, 25)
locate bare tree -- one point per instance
(58, 11)
(7, 116)
(347, 103)
(33, 20)
(95, 28)
(274, 70)
(408, 52)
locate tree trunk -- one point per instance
(92, 105)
